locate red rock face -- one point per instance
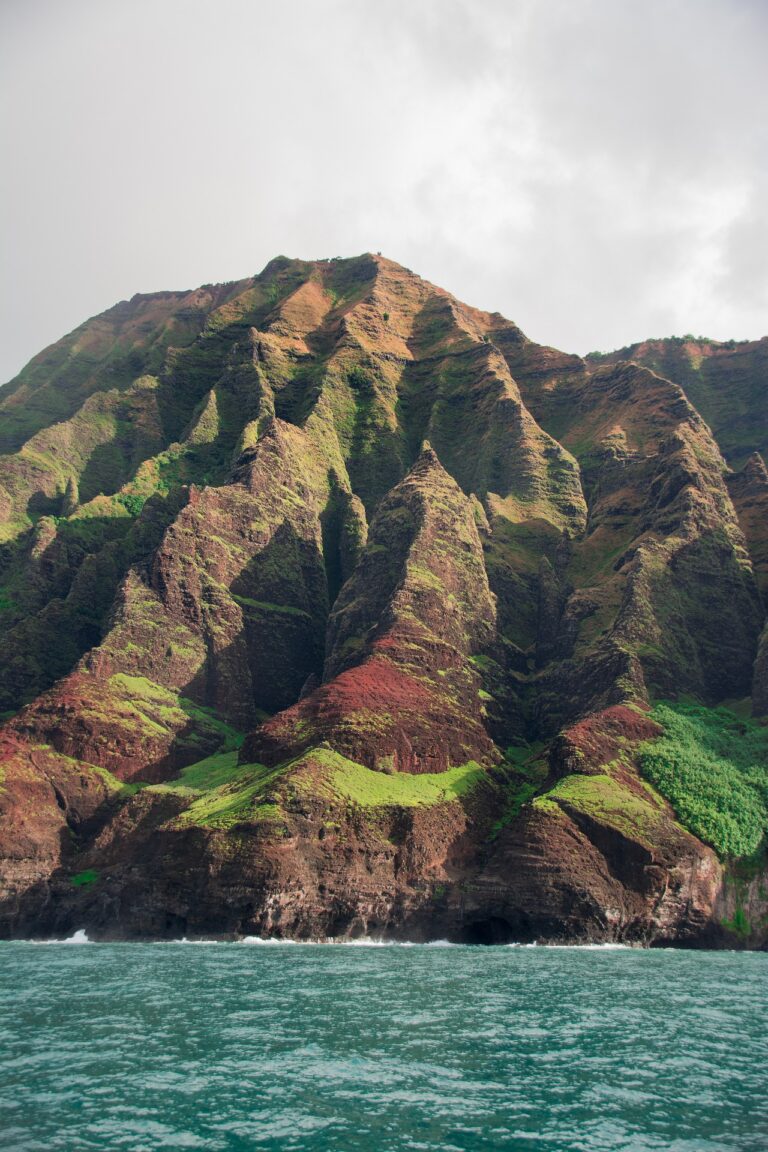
(599, 738)
(333, 605)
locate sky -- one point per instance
(596, 170)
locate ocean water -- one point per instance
(280, 1046)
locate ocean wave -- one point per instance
(78, 937)
(345, 942)
(195, 940)
(609, 945)
(81, 937)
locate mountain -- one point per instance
(333, 606)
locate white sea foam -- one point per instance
(369, 942)
(335, 941)
(81, 937)
(608, 945)
(274, 940)
(377, 942)
(345, 942)
(78, 937)
(200, 940)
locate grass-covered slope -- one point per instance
(224, 792)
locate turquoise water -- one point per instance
(237, 1046)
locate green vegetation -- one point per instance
(158, 709)
(606, 800)
(84, 879)
(223, 792)
(713, 768)
(372, 789)
(132, 502)
(524, 773)
(231, 803)
(206, 720)
(205, 775)
(266, 606)
(7, 603)
(523, 754)
(740, 924)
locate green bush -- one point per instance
(713, 769)
(132, 502)
(84, 879)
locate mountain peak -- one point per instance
(755, 467)
(426, 461)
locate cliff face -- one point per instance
(334, 606)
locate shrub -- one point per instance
(84, 879)
(713, 769)
(132, 503)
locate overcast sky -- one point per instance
(597, 170)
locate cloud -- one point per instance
(595, 169)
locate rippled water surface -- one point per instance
(236, 1046)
